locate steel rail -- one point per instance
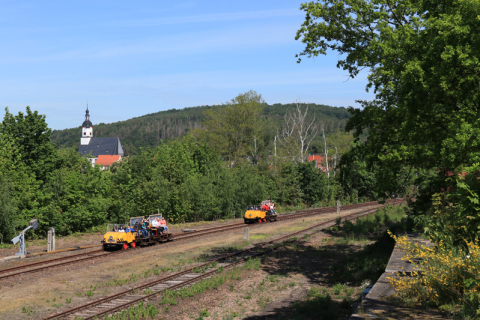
(43, 262)
(108, 309)
(312, 212)
(190, 235)
(59, 264)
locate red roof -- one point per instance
(313, 158)
(107, 160)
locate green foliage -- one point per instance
(312, 183)
(151, 130)
(454, 215)
(319, 305)
(27, 310)
(367, 264)
(31, 140)
(186, 179)
(356, 176)
(233, 130)
(423, 60)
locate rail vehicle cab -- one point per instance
(119, 236)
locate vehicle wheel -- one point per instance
(264, 219)
(125, 246)
(133, 244)
(259, 220)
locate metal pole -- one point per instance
(21, 249)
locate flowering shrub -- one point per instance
(444, 277)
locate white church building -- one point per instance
(100, 151)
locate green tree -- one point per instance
(31, 137)
(234, 130)
(423, 58)
(18, 189)
(313, 183)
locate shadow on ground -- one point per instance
(326, 264)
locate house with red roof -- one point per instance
(105, 160)
(318, 159)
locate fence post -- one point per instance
(338, 206)
(51, 240)
(246, 236)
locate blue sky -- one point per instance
(130, 58)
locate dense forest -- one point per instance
(151, 129)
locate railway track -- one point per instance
(42, 265)
(72, 259)
(115, 303)
(295, 215)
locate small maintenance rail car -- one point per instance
(139, 231)
(259, 213)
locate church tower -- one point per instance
(87, 129)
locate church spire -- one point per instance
(87, 129)
(87, 123)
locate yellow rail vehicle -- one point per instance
(259, 214)
(119, 236)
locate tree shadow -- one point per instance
(320, 307)
(337, 262)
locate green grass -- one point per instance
(27, 310)
(6, 246)
(259, 236)
(140, 311)
(372, 226)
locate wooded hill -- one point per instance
(149, 130)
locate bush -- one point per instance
(446, 277)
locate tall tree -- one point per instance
(424, 63)
(31, 137)
(234, 130)
(299, 129)
(18, 189)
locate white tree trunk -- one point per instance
(326, 152)
(298, 133)
(335, 163)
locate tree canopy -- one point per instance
(234, 130)
(423, 64)
(423, 59)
